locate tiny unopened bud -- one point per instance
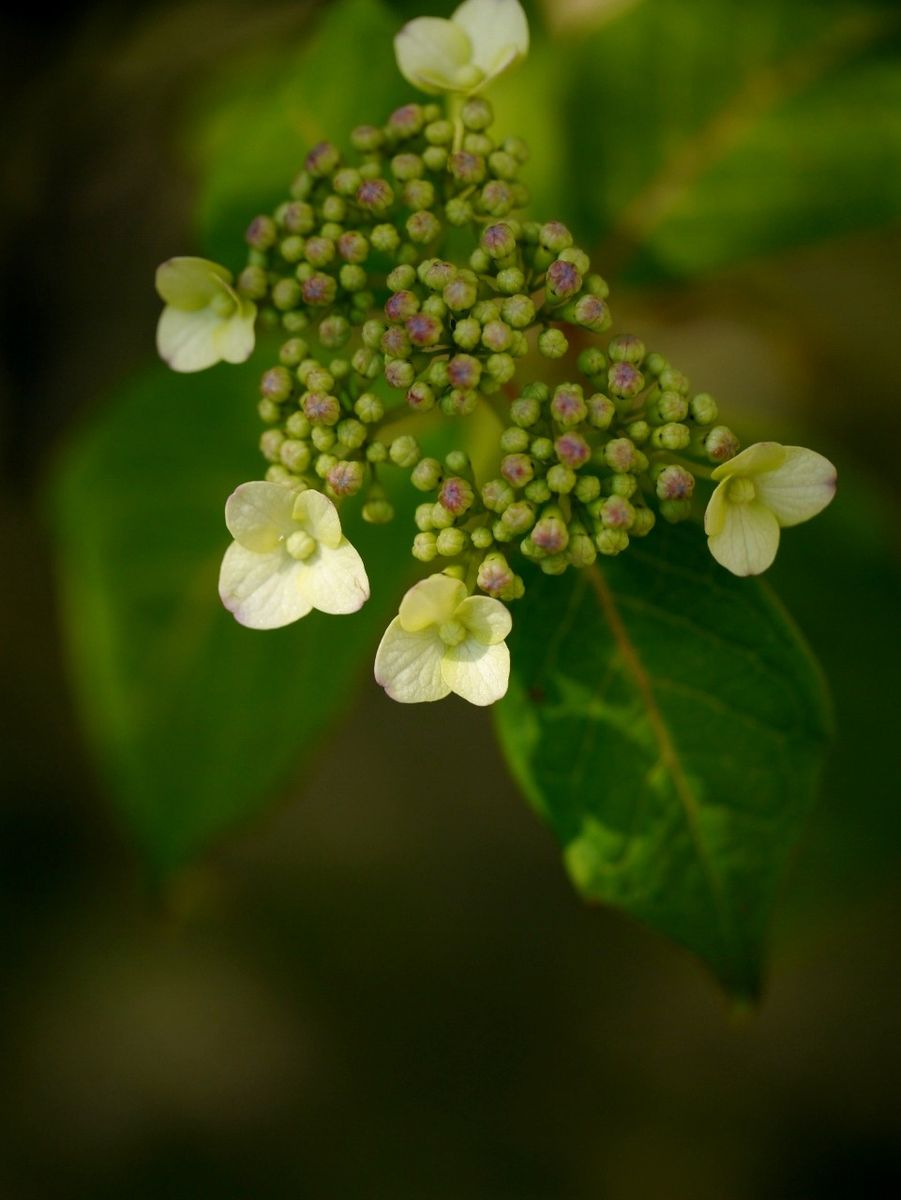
(420, 397)
(591, 312)
(323, 159)
(538, 491)
(555, 237)
(399, 374)
(464, 371)
(517, 469)
(601, 411)
(672, 380)
(286, 293)
(323, 437)
(620, 454)
(624, 380)
(467, 167)
(375, 195)
(672, 436)
(319, 290)
(592, 361)
(626, 348)
(721, 444)
(253, 283)
(369, 408)
(276, 384)
(295, 454)
(406, 121)
(611, 541)
(351, 433)
(644, 522)
(703, 409)
(425, 548)
(385, 239)
(346, 478)
(404, 451)
(675, 511)
(262, 233)
(561, 479)
(552, 343)
(581, 550)
(572, 450)
(461, 293)
(423, 227)
(674, 483)
(550, 535)
(588, 488)
(495, 575)
(568, 406)
(458, 212)
(320, 408)
(497, 495)
(498, 241)
(562, 280)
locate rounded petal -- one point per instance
(480, 674)
(236, 335)
(190, 283)
(762, 456)
(263, 591)
(747, 542)
(189, 341)
(319, 517)
(430, 51)
(338, 581)
(487, 620)
(430, 602)
(498, 31)
(800, 488)
(258, 515)
(408, 665)
(717, 507)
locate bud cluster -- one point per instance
(378, 324)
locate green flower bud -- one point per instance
(461, 293)
(458, 212)
(542, 449)
(253, 283)
(510, 281)
(517, 469)
(624, 380)
(375, 195)
(320, 290)
(378, 510)
(323, 438)
(525, 411)
(451, 542)
(352, 278)
(292, 248)
(672, 436)
(554, 564)
(561, 479)
(302, 185)
(271, 444)
(552, 343)
(501, 368)
(404, 452)
(617, 513)
(334, 209)
(351, 433)
(406, 121)
(581, 550)
(720, 444)
(278, 473)
(426, 475)
(385, 239)
(703, 409)
(555, 237)
(323, 159)
(269, 411)
(369, 408)
(293, 351)
(441, 518)
(399, 374)
(371, 169)
(487, 310)
(638, 431)
(503, 165)
(675, 511)
(674, 381)
(588, 488)
(286, 294)
(655, 363)
(592, 361)
(626, 348)
(318, 379)
(437, 374)
(376, 452)
(261, 233)
(466, 167)
(458, 402)
(321, 409)
(497, 495)
(435, 158)
(366, 138)
(514, 440)
(643, 524)
(611, 541)
(496, 198)
(295, 322)
(496, 336)
(295, 454)
(434, 306)
(480, 261)
(578, 258)
(423, 517)
(407, 166)
(624, 485)
(420, 397)
(297, 425)
(668, 407)
(538, 491)
(425, 548)
(276, 384)
(423, 227)
(367, 363)
(498, 241)
(595, 285)
(395, 342)
(457, 462)
(439, 133)
(467, 333)
(334, 331)
(481, 537)
(346, 478)
(268, 319)
(591, 313)
(620, 454)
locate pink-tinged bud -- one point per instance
(620, 455)
(555, 236)
(299, 217)
(456, 495)
(375, 195)
(592, 313)
(498, 240)
(401, 305)
(353, 247)
(319, 290)
(323, 159)
(399, 374)
(420, 397)
(395, 342)
(464, 371)
(562, 280)
(460, 293)
(517, 469)
(675, 483)
(721, 444)
(572, 450)
(497, 495)
(617, 513)
(625, 380)
(346, 478)
(406, 121)
(276, 384)
(550, 534)
(568, 405)
(467, 168)
(320, 408)
(261, 233)
(494, 575)
(423, 330)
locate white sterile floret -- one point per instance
(444, 640)
(481, 39)
(205, 321)
(763, 489)
(289, 556)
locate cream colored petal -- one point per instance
(189, 341)
(236, 336)
(190, 283)
(319, 517)
(487, 620)
(258, 515)
(748, 540)
(430, 602)
(762, 456)
(480, 674)
(715, 515)
(408, 665)
(430, 51)
(498, 31)
(338, 580)
(800, 488)
(264, 591)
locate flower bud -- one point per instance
(538, 492)
(561, 479)
(324, 463)
(672, 436)
(518, 311)
(426, 475)
(572, 450)
(591, 312)
(497, 495)
(643, 524)
(323, 437)
(466, 167)
(261, 233)
(672, 380)
(346, 478)
(626, 348)
(319, 290)
(268, 411)
(721, 444)
(611, 541)
(581, 550)
(601, 411)
(464, 371)
(624, 380)
(378, 511)
(399, 374)
(376, 452)
(323, 159)
(703, 409)
(404, 452)
(638, 431)
(295, 454)
(420, 397)
(588, 488)
(616, 513)
(517, 469)
(592, 361)
(367, 363)
(423, 227)
(624, 485)
(554, 564)
(550, 535)
(525, 411)
(458, 212)
(320, 408)
(286, 293)
(555, 237)
(668, 407)
(441, 518)
(675, 511)
(498, 241)
(568, 406)
(451, 542)
(562, 281)
(385, 239)
(552, 343)
(276, 384)
(253, 283)
(595, 285)
(351, 433)
(369, 408)
(461, 293)
(456, 495)
(674, 483)
(425, 548)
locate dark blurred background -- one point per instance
(376, 981)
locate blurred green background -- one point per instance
(254, 952)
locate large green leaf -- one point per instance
(668, 723)
(724, 130)
(194, 719)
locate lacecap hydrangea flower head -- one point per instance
(599, 440)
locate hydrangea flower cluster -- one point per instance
(406, 281)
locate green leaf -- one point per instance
(255, 125)
(194, 719)
(668, 722)
(732, 130)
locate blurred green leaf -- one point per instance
(668, 722)
(194, 719)
(705, 133)
(254, 126)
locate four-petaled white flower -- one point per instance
(205, 321)
(289, 556)
(763, 489)
(444, 640)
(481, 39)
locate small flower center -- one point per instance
(742, 491)
(452, 633)
(300, 545)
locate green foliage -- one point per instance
(728, 130)
(194, 719)
(668, 722)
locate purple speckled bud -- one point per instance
(261, 233)
(517, 469)
(395, 342)
(617, 513)
(375, 195)
(494, 575)
(353, 247)
(321, 409)
(675, 483)
(468, 168)
(346, 478)
(625, 380)
(401, 306)
(323, 159)
(299, 217)
(423, 330)
(319, 290)
(406, 121)
(464, 371)
(498, 240)
(550, 533)
(572, 450)
(568, 405)
(456, 495)
(592, 313)
(562, 280)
